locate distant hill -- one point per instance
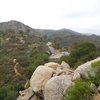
(66, 37)
(18, 26)
(60, 32)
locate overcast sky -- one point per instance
(79, 15)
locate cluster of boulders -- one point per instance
(50, 81)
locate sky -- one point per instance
(78, 15)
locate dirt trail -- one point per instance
(15, 67)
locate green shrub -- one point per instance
(3, 93)
(18, 83)
(30, 69)
(11, 95)
(8, 92)
(96, 79)
(79, 91)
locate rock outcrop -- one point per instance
(50, 81)
(57, 76)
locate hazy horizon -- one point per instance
(79, 15)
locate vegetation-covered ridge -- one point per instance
(29, 51)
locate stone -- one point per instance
(14, 61)
(25, 94)
(99, 88)
(86, 70)
(40, 76)
(59, 71)
(93, 87)
(65, 65)
(64, 69)
(55, 87)
(35, 97)
(76, 76)
(52, 65)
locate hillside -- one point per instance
(18, 49)
(23, 49)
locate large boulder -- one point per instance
(41, 75)
(56, 86)
(52, 65)
(86, 69)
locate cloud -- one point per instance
(53, 14)
(82, 14)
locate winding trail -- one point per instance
(15, 67)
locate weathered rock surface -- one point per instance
(76, 76)
(52, 65)
(55, 87)
(93, 87)
(65, 65)
(63, 69)
(86, 70)
(41, 75)
(26, 94)
(35, 97)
